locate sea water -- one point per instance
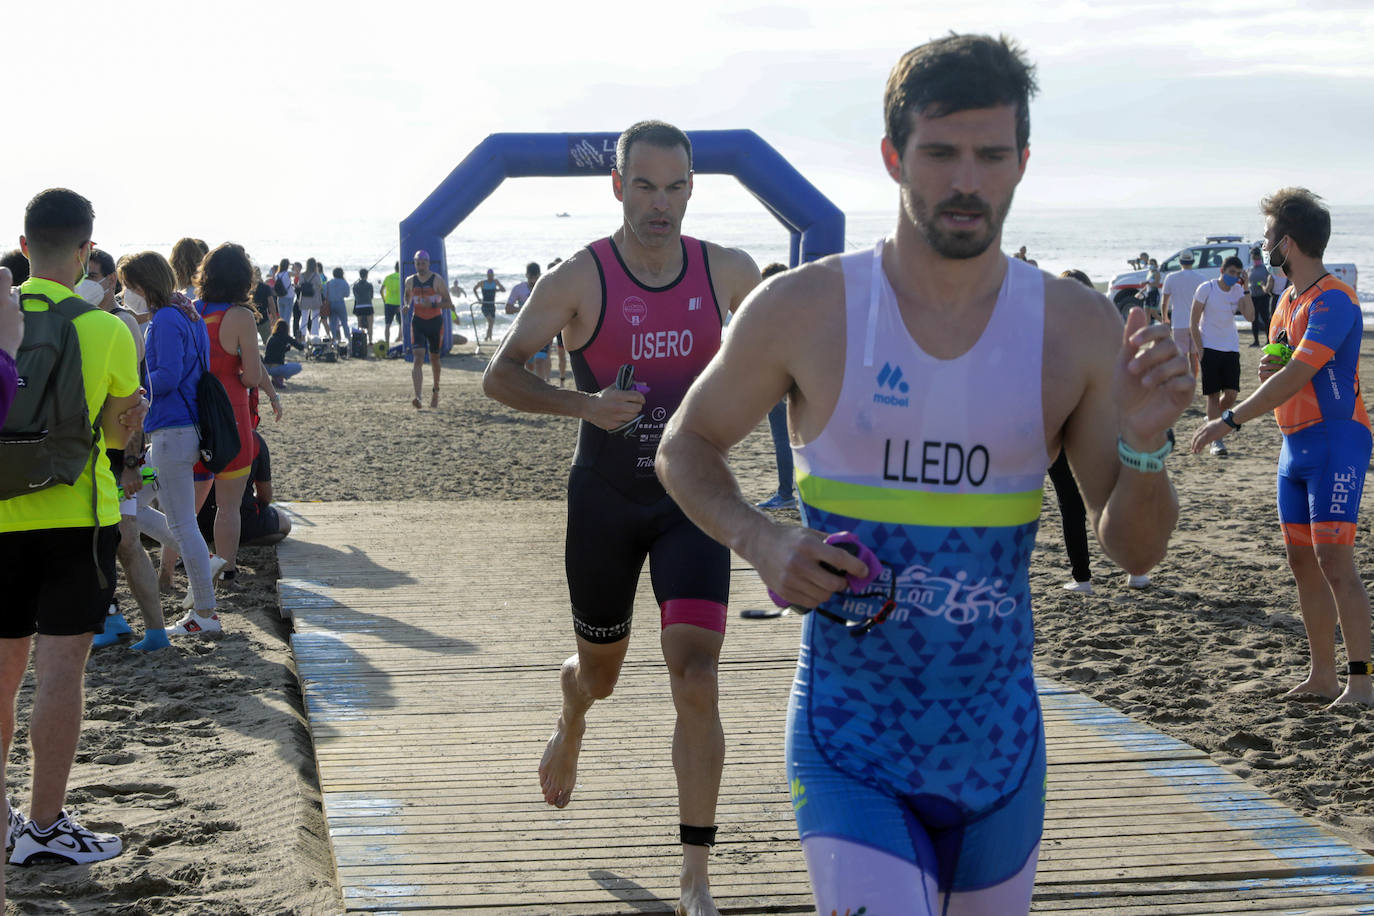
(1096, 241)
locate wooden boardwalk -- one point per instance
(427, 640)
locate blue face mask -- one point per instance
(1227, 281)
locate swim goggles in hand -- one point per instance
(850, 543)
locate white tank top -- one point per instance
(920, 440)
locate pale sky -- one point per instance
(285, 114)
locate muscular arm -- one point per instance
(1136, 394)
(734, 275)
(751, 373)
(553, 305)
(1195, 326)
(245, 340)
(116, 433)
(1247, 307)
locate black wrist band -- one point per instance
(696, 836)
(1357, 668)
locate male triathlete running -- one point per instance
(1316, 398)
(927, 395)
(426, 297)
(650, 298)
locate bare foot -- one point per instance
(434, 398)
(1362, 695)
(558, 769)
(415, 402)
(696, 900)
(1313, 689)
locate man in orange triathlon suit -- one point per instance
(426, 297)
(1313, 387)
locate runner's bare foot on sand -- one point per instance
(1361, 693)
(1315, 688)
(558, 769)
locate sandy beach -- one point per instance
(200, 756)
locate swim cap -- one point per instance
(421, 255)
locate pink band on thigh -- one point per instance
(709, 615)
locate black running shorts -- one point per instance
(608, 538)
(428, 332)
(49, 582)
(1220, 371)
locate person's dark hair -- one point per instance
(338, 273)
(774, 268)
(281, 328)
(532, 270)
(58, 220)
(1075, 274)
(1233, 261)
(17, 263)
(362, 274)
(285, 263)
(958, 73)
(554, 263)
(225, 275)
(398, 266)
(654, 133)
(150, 274)
(1299, 214)
(186, 257)
(310, 265)
(103, 260)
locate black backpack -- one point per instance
(217, 430)
(279, 288)
(49, 437)
(307, 288)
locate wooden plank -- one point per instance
(431, 693)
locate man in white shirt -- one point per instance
(1177, 303)
(1213, 327)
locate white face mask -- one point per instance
(135, 302)
(91, 291)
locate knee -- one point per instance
(1337, 565)
(596, 682)
(694, 682)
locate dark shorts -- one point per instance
(49, 582)
(489, 309)
(393, 313)
(427, 332)
(1220, 371)
(363, 311)
(608, 538)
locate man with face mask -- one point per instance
(930, 382)
(56, 583)
(642, 312)
(1313, 387)
(1212, 324)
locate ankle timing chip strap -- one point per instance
(1358, 668)
(696, 836)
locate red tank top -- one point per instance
(225, 365)
(669, 334)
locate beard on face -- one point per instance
(957, 244)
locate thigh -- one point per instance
(864, 851)
(1210, 371)
(72, 598)
(1294, 490)
(604, 552)
(684, 563)
(1337, 483)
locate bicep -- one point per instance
(744, 380)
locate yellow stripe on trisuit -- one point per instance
(919, 507)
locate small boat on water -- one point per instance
(561, 215)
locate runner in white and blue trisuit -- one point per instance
(928, 393)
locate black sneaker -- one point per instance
(66, 843)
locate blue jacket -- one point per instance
(178, 350)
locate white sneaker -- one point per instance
(1219, 449)
(217, 565)
(1141, 581)
(195, 625)
(65, 842)
(17, 820)
(1083, 588)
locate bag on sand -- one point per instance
(49, 437)
(358, 344)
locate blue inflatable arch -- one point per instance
(815, 224)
